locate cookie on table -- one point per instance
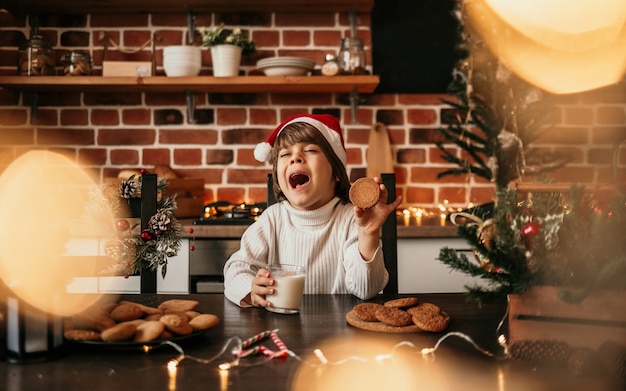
(393, 316)
(203, 322)
(429, 317)
(366, 311)
(364, 193)
(178, 305)
(125, 312)
(177, 323)
(120, 332)
(402, 302)
(82, 335)
(148, 331)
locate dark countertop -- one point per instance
(352, 354)
(429, 228)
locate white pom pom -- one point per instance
(262, 151)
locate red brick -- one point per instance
(13, 117)
(578, 116)
(155, 156)
(45, 117)
(299, 100)
(411, 156)
(126, 136)
(243, 176)
(231, 116)
(119, 20)
(124, 157)
(268, 38)
(105, 117)
(187, 136)
(136, 38)
(22, 136)
(245, 157)
(305, 19)
(136, 116)
(92, 156)
(263, 116)
(188, 157)
(60, 136)
(482, 195)
(74, 117)
(296, 38)
(327, 38)
(419, 195)
(610, 115)
(421, 116)
(354, 155)
(257, 194)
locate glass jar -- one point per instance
(36, 58)
(351, 56)
(77, 64)
(330, 67)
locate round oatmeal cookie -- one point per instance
(421, 308)
(366, 311)
(429, 317)
(393, 316)
(364, 193)
(402, 302)
(82, 335)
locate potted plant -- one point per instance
(226, 47)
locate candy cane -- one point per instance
(239, 351)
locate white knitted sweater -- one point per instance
(324, 240)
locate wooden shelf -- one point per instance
(169, 6)
(242, 84)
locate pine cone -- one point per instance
(613, 356)
(159, 223)
(581, 361)
(542, 352)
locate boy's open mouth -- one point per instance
(298, 179)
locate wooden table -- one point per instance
(456, 365)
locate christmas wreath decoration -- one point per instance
(134, 249)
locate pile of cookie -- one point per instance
(406, 312)
(126, 321)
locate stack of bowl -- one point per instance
(285, 66)
(182, 60)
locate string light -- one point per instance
(240, 352)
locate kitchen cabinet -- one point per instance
(176, 280)
(419, 271)
(168, 6)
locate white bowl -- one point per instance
(181, 61)
(284, 70)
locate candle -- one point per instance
(442, 219)
(418, 216)
(406, 215)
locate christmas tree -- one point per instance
(549, 238)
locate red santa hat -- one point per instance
(327, 124)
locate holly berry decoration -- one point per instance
(122, 225)
(146, 236)
(530, 229)
(192, 248)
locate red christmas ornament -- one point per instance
(190, 230)
(146, 236)
(530, 229)
(192, 248)
(143, 171)
(122, 225)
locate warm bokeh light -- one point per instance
(560, 46)
(44, 199)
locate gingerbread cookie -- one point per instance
(203, 322)
(366, 311)
(120, 332)
(402, 302)
(125, 312)
(178, 305)
(82, 335)
(177, 323)
(393, 316)
(364, 193)
(148, 331)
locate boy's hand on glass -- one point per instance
(261, 287)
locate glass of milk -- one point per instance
(288, 288)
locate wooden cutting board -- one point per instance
(379, 154)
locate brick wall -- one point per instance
(109, 132)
